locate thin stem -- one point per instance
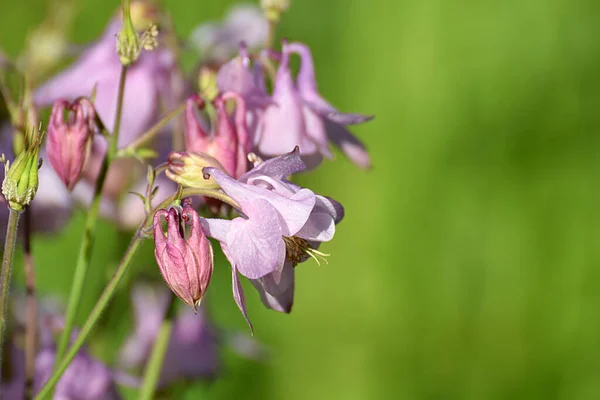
(114, 139)
(31, 317)
(9, 252)
(157, 357)
(271, 33)
(152, 132)
(94, 316)
(87, 240)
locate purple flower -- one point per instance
(151, 79)
(300, 116)
(84, 379)
(185, 261)
(281, 225)
(296, 114)
(192, 350)
(240, 77)
(318, 108)
(68, 143)
(228, 142)
(218, 41)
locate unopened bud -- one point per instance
(186, 169)
(274, 8)
(185, 264)
(68, 142)
(21, 177)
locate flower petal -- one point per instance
(277, 296)
(239, 297)
(216, 228)
(255, 244)
(350, 145)
(277, 168)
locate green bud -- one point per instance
(21, 178)
(186, 169)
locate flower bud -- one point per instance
(21, 177)
(184, 255)
(186, 169)
(227, 141)
(274, 8)
(68, 142)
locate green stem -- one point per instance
(114, 139)
(94, 316)
(9, 252)
(87, 241)
(157, 357)
(150, 133)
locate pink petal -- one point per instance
(278, 296)
(238, 296)
(255, 244)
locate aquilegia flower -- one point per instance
(185, 258)
(68, 143)
(300, 116)
(281, 226)
(227, 141)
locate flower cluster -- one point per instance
(211, 158)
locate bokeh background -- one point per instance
(467, 264)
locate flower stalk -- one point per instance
(31, 307)
(7, 262)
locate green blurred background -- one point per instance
(467, 264)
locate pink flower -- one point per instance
(68, 143)
(185, 261)
(228, 140)
(281, 225)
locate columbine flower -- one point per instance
(281, 226)
(150, 80)
(247, 80)
(218, 41)
(192, 351)
(300, 116)
(318, 108)
(68, 143)
(185, 260)
(228, 142)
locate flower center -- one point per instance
(298, 250)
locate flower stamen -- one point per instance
(299, 250)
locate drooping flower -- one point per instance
(68, 143)
(300, 116)
(192, 350)
(296, 114)
(228, 140)
(334, 121)
(281, 226)
(218, 41)
(185, 258)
